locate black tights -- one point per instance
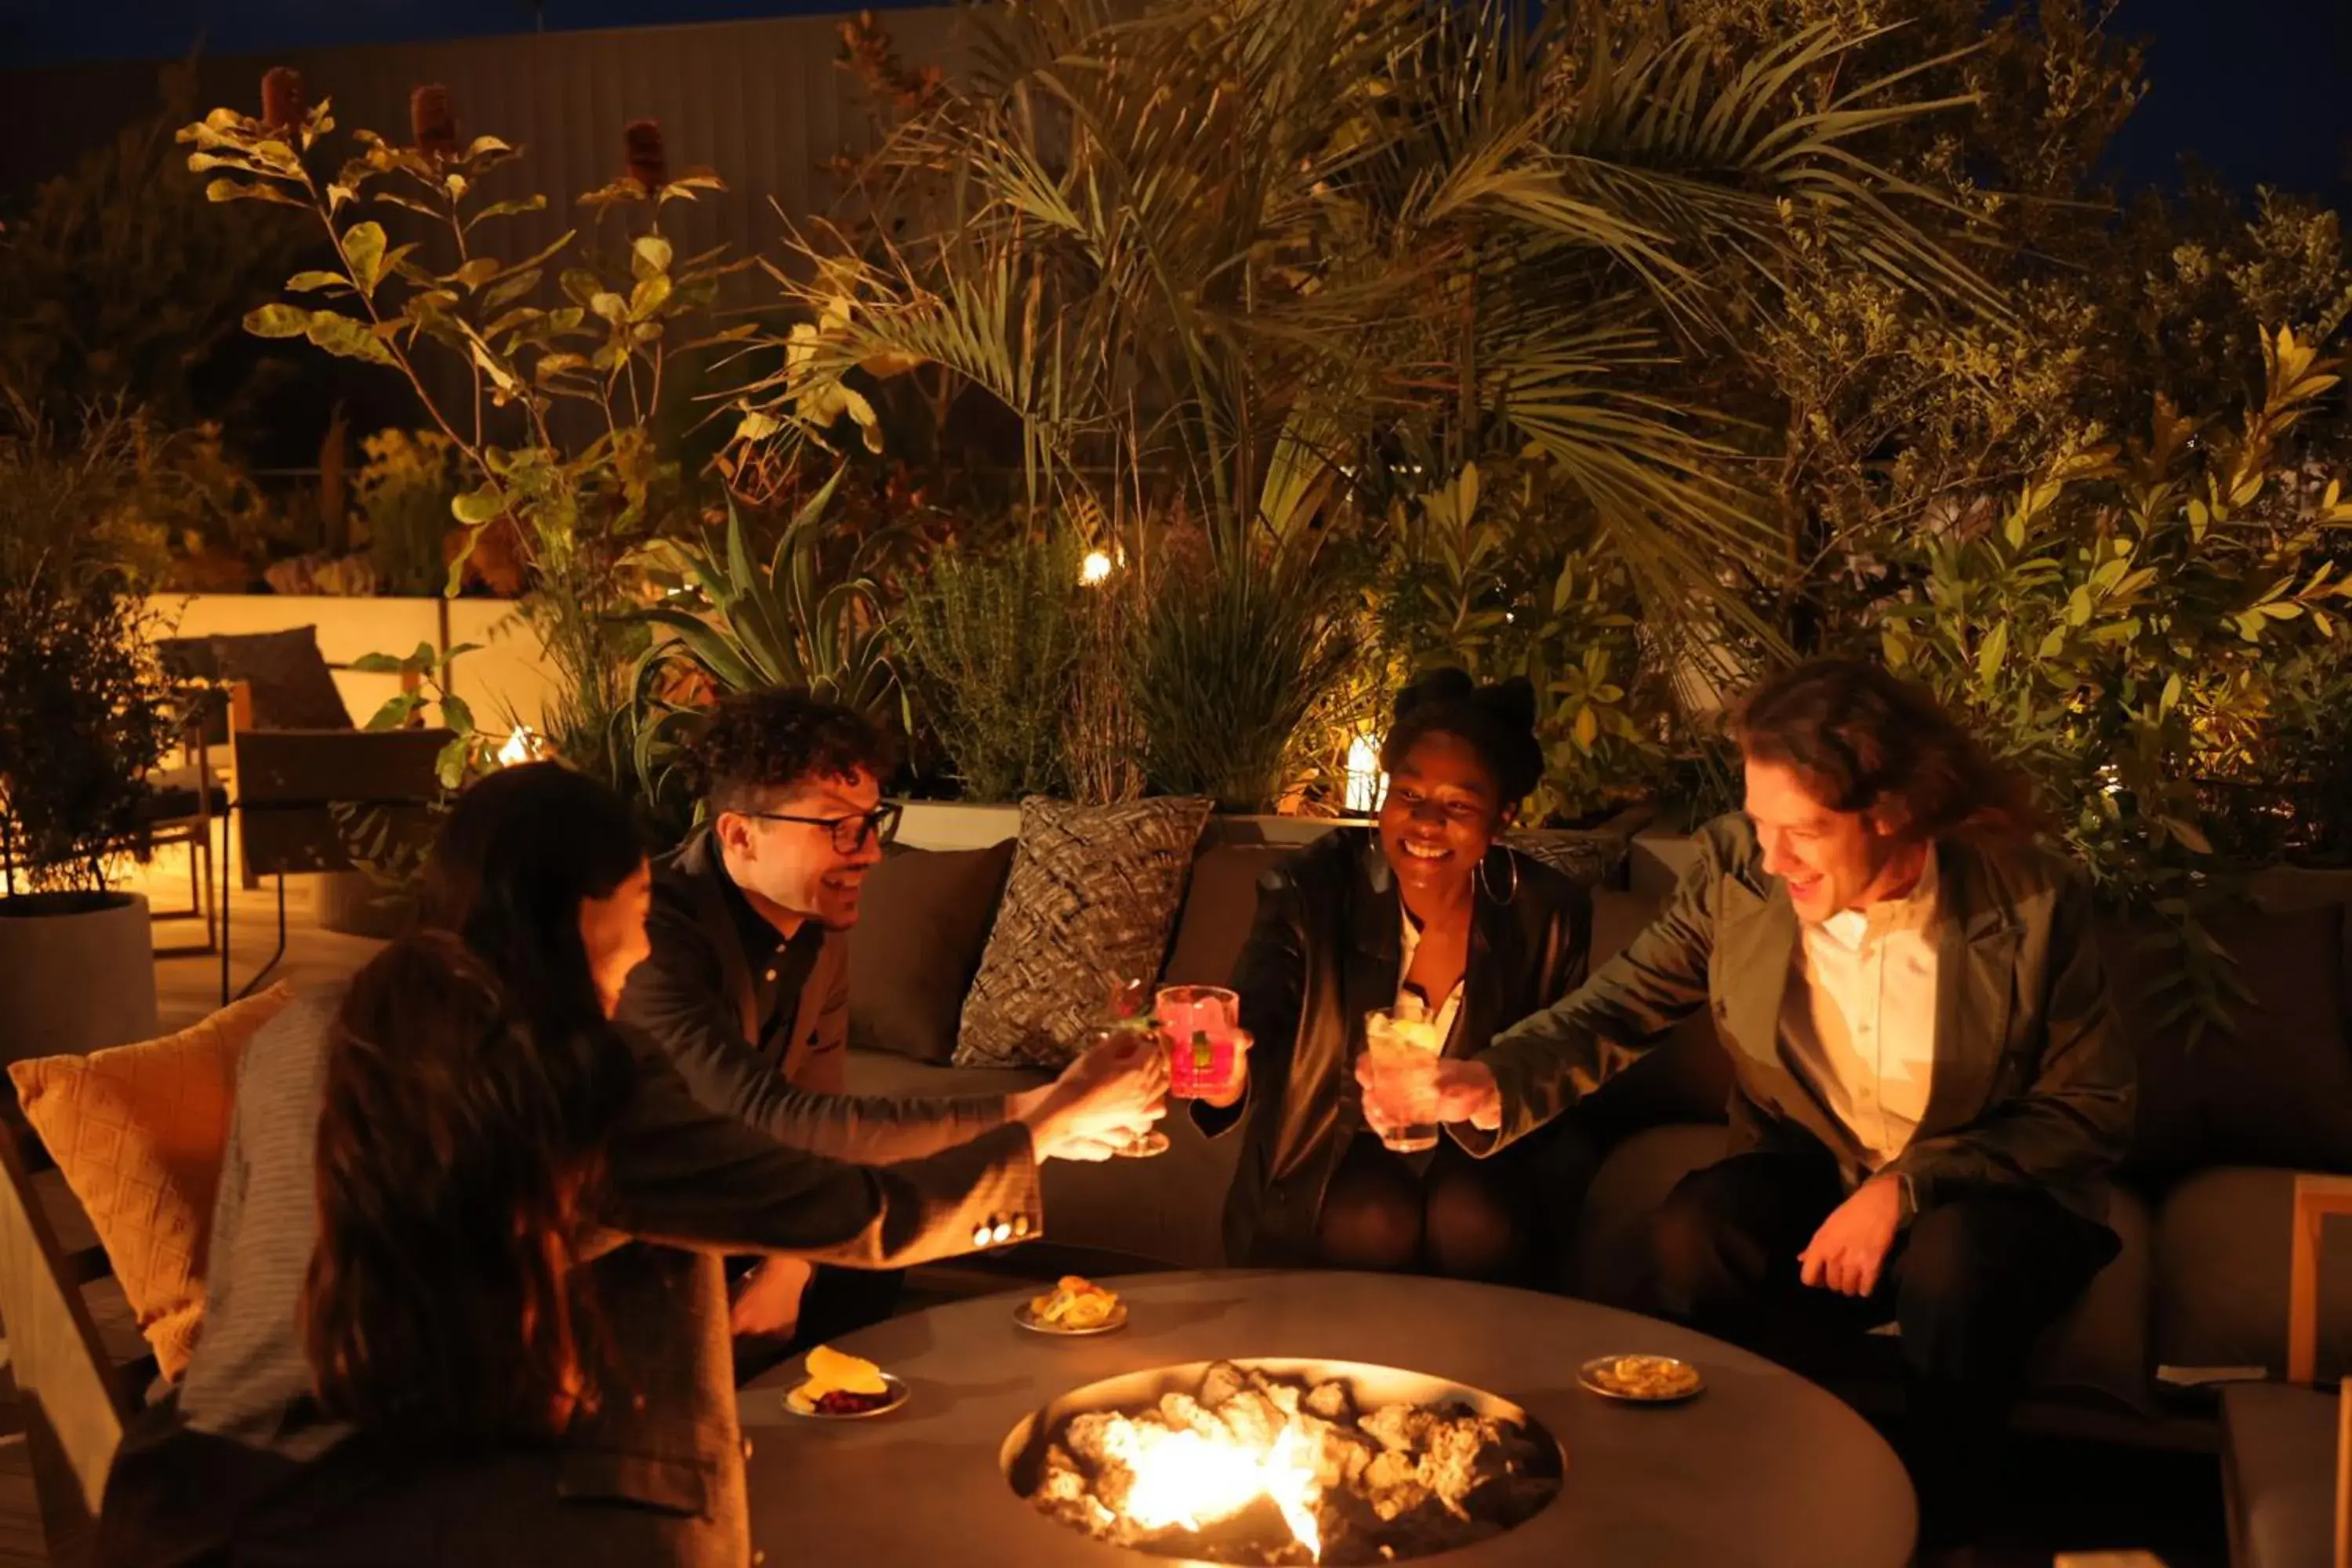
(1460, 1218)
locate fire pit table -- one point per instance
(1762, 1468)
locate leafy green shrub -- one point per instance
(1489, 575)
(993, 637)
(1221, 668)
(119, 280)
(84, 711)
(2129, 629)
(806, 616)
(403, 492)
(575, 509)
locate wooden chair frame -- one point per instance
(204, 699)
(2317, 1199)
(76, 1400)
(241, 725)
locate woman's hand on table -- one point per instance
(1103, 1101)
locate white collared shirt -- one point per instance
(1445, 1012)
(1858, 1019)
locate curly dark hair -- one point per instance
(1497, 721)
(1864, 739)
(756, 741)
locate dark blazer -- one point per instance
(697, 998)
(654, 1477)
(1326, 949)
(2033, 1081)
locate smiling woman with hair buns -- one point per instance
(1428, 911)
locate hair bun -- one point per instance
(1439, 687)
(1512, 701)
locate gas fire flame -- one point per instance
(1185, 1480)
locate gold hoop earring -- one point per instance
(1486, 883)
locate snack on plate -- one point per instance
(842, 1385)
(1073, 1303)
(1646, 1376)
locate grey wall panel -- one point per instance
(762, 102)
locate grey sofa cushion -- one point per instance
(1091, 900)
(1685, 1078)
(925, 923)
(2221, 1242)
(1219, 905)
(889, 1076)
(2278, 1450)
(1631, 1182)
(1170, 1207)
(2100, 1348)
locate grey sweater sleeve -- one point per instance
(248, 1379)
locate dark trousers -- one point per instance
(1971, 1283)
(838, 1301)
(1507, 1220)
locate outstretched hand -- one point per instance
(1442, 1089)
(1103, 1101)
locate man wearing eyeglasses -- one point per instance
(748, 984)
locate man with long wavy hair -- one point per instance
(1931, 1086)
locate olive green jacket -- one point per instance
(2033, 1081)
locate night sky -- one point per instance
(2260, 89)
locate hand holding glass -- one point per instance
(1399, 1080)
(1206, 1046)
(1121, 1084)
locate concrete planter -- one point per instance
(955, 824)
(76, 974)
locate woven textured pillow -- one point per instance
(138, 1132)
(1090, 902)
(291, 686)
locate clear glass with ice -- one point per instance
(1399, 1043)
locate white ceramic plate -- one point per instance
(798, 1406)
(1591, 1377)
(1037, 1325)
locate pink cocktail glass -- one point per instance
(1201, 1026)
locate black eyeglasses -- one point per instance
(849, 833)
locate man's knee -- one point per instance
(1946, 1258)
(1974, 1290)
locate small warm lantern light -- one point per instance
(525, 745)
(1368, 787)
(1095, 569)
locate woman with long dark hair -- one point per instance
(427, 1337)
(1430, 914)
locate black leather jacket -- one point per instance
(1326, 950)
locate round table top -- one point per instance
(1763, 1468)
